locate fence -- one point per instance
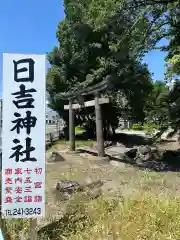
(50, 138)
(53, 136)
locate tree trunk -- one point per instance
(113, 131)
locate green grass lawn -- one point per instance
(79, 143)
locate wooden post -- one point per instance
(99, 127)
(5, 230)
(3, 225)
(51, 138)
(71, 126)
(33, 229)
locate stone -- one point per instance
(115, 163)
(144, 150)
(65, 189)
(56, 157)
(139, 161)
(144, 153)
(131, 153)
(118, 144)
(167, 134)
(67, 186)
(107, 144)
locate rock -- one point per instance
(144, 150)
(139, 161)
(144, 153)
(149, 135)
(107, 144)
(115, 163)
(154, 149)
(65, 189)
(166, 134)
(132, 153)
(67, 186)
(118, 144)
(56, 157)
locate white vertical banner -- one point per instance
(23, 136)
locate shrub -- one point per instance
(79, 130)
(149, 127)
(137, 126)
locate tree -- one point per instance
(173, 57)
(94, 46)
(174, 103)
(166, 25)
(157, 107)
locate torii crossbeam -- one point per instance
(94, 90)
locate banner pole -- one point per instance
(33, 229)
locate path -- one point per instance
(132, 132)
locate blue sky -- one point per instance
(29, 26)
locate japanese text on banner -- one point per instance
(23, 148)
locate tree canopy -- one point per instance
(99, 38)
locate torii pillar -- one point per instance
(71, 126)
(99, 127)
(97, 102)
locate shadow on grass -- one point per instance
(160, 162)
(131, 140)
(128, 140)
(65, 226)
(72, 222)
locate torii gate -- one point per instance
(94, 90)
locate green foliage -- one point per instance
(79, 130)
(166, 24)
(157, 106)
(173, 57)
(100, 39)
(148, 127)
(174, 102)
(137, 127)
